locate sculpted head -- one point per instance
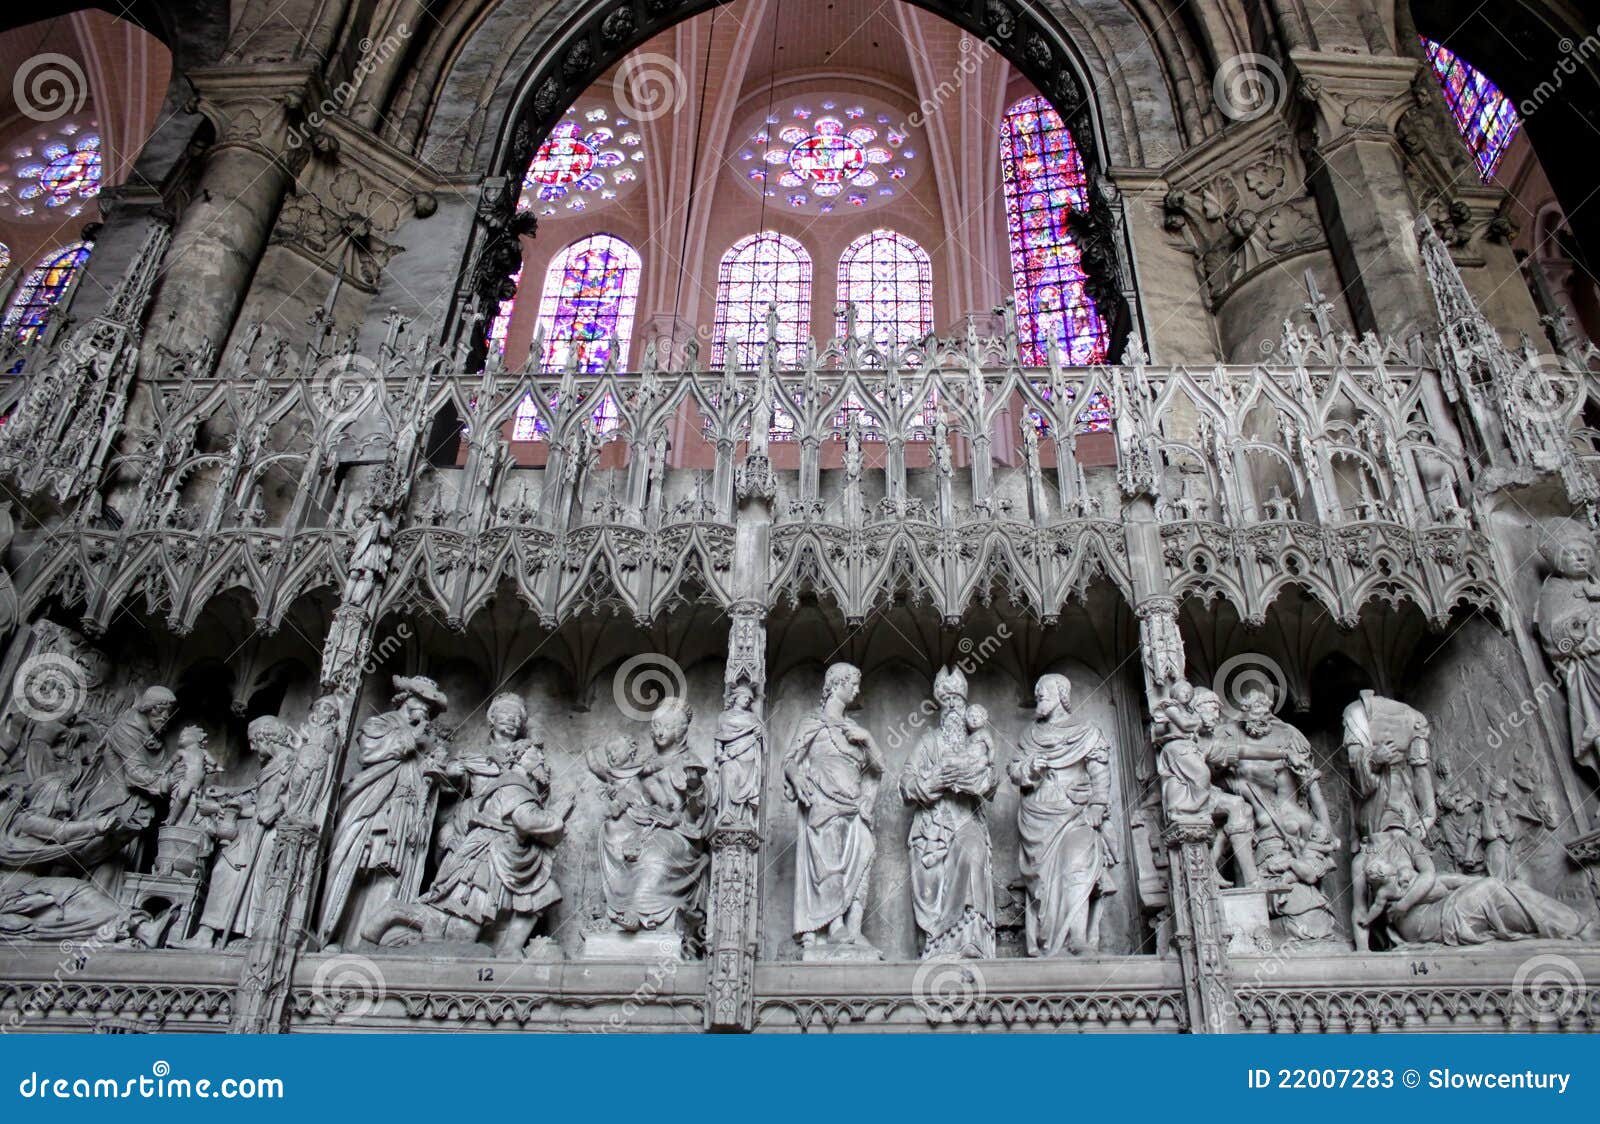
(741, 696)
(1208, 705)
(267, 735)
(157, 705)
(950, 687)
(507, 715)
(1052, 693)
(976, 717)
(1255, 703)
(418, 699)
(1570, 553)
(325, 711)
(842, 680)
(669, 725)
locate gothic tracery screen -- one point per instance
(764, 268)
(41, 289)
(887, 277)
(1485, 117)
(1044, 182)
(590, 292)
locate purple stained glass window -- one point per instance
(502, 317)
(765, 268)
(590, 292)
(887, 277)
(42, 289)
(1485, 117)
(1044, 182)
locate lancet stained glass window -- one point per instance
(1044, 182)
(590, 292)
(42, 289)
(502, 318)
(887, 277)
(764, 268)
(1485, 117)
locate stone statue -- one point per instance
(497, 868)
(741, 748)
(240, 864)
(127, 772)
(1569, 629)
(653, 841)
(1497, 831)
(317, 749)
(1388, 746)
(1456, 829)
(369, 556)
(832, 772)
(381, 839)
(1184, 733)
(948, 779)
(1294, 838)
(37, 832)
(1063, 768)
(1395, 883)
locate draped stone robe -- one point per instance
(833, 854)
(1064, 859)
(952, 863)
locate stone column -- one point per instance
(223, 231)
(732, 918)
(1358, 177)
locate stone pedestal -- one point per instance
(652, 947)
(1245, 921)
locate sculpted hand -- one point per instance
(1096, 815)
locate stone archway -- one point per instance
(604, 33)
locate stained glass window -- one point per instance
(41, 289)
(64, 173)
(1483, 114)
(5, 260)
(592, 155)
(818, 161)
(502, 317)
(887, 277)
(590, 291)
(1045, 183)
(764, 268)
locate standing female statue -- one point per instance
(832, 773)
(1064, 771)
(948, 779)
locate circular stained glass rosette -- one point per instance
(821, 157)
(580, 159)
(69, 174)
